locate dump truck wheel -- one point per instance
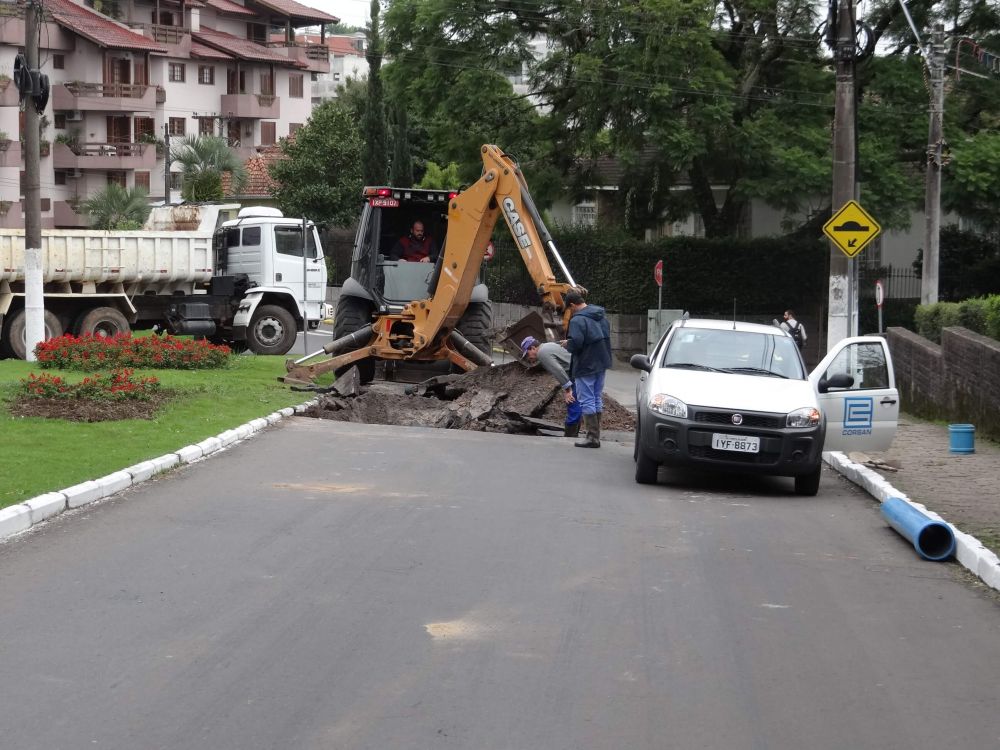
(476, 323)
(352, 315)
(271, 331)
(102, 321)
(14, 331)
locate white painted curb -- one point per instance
(16, 519)
(969, 551)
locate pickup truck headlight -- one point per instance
(807, 416)
(664, 403)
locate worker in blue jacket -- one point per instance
(589, 341)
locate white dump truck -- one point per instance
(244, 277)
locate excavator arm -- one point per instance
(425, 330)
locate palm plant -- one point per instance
(204, 159)
(116, 207)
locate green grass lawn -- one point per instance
(41, 455)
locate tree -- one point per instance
(402, 160)
(321, 178)
(204, 159)
(118, 208)
(376, 156)
(438, 178)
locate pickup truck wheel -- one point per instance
(352, 315)
(13, 340)
(646, 468)
(476, 323)
(808, 484)
(102, 321)
(272, 330)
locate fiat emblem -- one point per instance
(737, 419)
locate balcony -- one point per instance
(176, 40)
(251, 106)
(67, 215)
(104, 156)
(12, 214)
(104, 97)
(315, 57)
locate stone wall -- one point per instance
(957, 381)
(628, 332)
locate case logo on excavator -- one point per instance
(516, 225)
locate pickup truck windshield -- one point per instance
(734, 351)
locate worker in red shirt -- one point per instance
(417, 246)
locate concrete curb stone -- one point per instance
(969, 551)
(14, 519)
(19, 518)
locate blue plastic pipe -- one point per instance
(933, 540)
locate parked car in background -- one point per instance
(725, 395)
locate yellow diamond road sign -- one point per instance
(851, 229)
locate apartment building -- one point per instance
(124, 73)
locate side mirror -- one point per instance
(641, 362)
(840, 380)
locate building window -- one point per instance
(206, 74)
(175, 180)
(142, 180)
(585, 213)
(60, 121)
(293, 127)
(267, 134)
(117, 178)
(205, 126)
(145, 129)
(267, 84)
(59, 176)
(177, 125)
(295, 86)
(59, 62)
(177, 72)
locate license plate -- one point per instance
(738, 443)
(384, 202)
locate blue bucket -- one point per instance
(962, 438)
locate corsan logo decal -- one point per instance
(858, 415)
(516, 225)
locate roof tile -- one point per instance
(244, 49)
(99, 29)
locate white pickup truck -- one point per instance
(244, 279)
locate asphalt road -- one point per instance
(336, 586)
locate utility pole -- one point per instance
(34, 301)
(935, 153)
(841, 321)
(166, 163)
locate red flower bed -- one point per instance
(91, 352)
(120, 385)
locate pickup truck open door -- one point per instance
(863, 416)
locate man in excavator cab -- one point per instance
(417, 246)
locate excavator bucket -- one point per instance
(511, 337)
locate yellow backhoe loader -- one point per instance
(392, 310)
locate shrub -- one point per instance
(972, 314)
(993, 317)
(91, 352)
(930, 319)
(120, 385)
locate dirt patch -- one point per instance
(83, 410)
(505, 398)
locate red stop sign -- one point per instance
(658, 272)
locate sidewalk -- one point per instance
(961, 488)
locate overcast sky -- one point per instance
(351, 12)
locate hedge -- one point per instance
(980, 314)
(703, 276)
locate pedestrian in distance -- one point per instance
(556, 361)
(416, 247)
(589, 342)
(794, 327)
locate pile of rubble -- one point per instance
(505, 398)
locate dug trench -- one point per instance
(504, 398)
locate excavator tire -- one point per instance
(476, 323)
(352, 315)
